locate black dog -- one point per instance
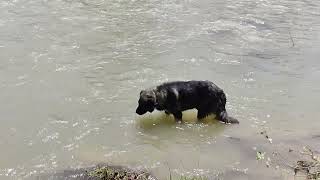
(175, 97)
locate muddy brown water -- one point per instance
(71, 72)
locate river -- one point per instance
(71, 72)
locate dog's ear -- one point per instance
(142, 92)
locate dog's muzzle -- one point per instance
(139, 111)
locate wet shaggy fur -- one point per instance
(175, 97)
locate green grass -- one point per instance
(117, 173)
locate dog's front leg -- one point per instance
(167, 112)
(178, 116)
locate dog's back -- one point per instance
(188, 92)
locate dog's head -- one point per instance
(147, 102)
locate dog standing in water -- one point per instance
(177, 96)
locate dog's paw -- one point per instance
(179, 121)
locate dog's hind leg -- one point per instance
(201, 114)
(206, 109)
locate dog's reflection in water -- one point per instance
(161, 119)
(163, 132)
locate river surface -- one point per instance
(71, 72)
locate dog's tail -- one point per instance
(223, 115)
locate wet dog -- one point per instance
(175, 97)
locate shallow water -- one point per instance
(71, 72)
